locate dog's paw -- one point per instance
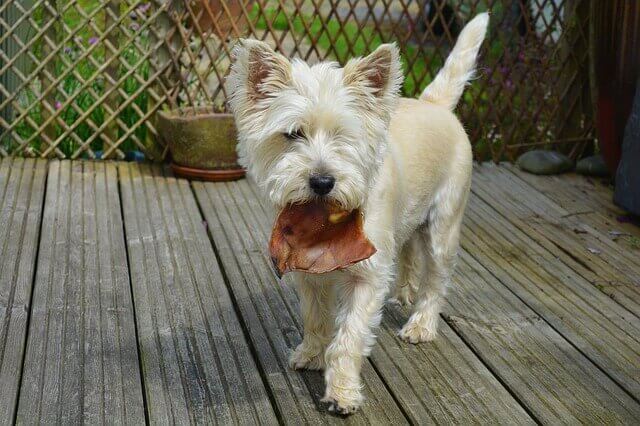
(303, 359)
(334, 406)
(344, 399)
(403, 296)
(413, 332)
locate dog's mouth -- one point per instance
(317, 237)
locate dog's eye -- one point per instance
(295, 135)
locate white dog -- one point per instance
(345, 135)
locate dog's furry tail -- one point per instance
(446, 89)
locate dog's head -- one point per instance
(313, 131)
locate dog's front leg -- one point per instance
(316, 308)
(358, 313)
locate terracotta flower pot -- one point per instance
(202, 143)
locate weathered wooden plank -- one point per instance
(598, 191)
(585, 206)
(570, 196)
(600, 328)
(540, 367)
(196, 363)
(593, 191)
(592, 254)
(81, 362)
(523, 243)
(609, 267)
(442, 379)
(426, 380)
(586, 209)
(22, 187)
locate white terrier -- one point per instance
(344, 134)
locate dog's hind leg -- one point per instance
(439, 246)
(315, 303)
(411, 270)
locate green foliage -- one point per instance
(635, 242)
(82, 84)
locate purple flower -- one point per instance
(134, 26)
(68, 50)
(93, 40)
(57, 105)
(521, 56)
(133, 15)
(144, 7)
(628, 219)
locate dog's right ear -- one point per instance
(258, 72)
(375, 80)
(380, 73)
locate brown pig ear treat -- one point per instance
(318, 237)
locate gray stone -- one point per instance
(541, 162)
(627, 193)
(592, 166)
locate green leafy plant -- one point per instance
(81, 85)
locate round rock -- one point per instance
(592, 166)
(544, 162)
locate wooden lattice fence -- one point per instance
(84, 78)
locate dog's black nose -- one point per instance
(322, 184)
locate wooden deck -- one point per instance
(127, 296)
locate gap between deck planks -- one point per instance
(214, 339)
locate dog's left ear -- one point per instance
(257, 72)
(380, 73)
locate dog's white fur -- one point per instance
(405, 163)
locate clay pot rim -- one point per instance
(186, 114)
(211, 175)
